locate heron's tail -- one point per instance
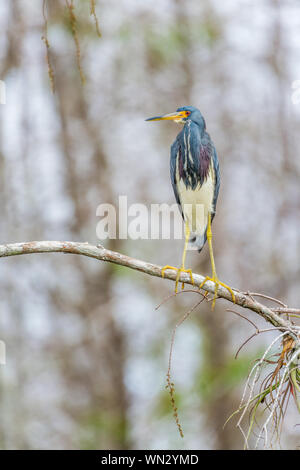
(199, 236)
(198, 240)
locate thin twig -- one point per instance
(174, 294)
(242, 316)
(286, 310)
(93, 13)
(46, 41)
(264, 296)
(257, 332)
(73, 23)
(170, 385)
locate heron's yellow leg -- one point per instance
(214, 277)
(182, 268)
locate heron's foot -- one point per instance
(179, 271)
(218, 283)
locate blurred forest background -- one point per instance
(87, 352)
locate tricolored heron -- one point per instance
(195, 176)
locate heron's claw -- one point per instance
(179, 271)
(218, 283)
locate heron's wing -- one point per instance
(204, 155)
(217, 179)
(194, 155)
(173, 158)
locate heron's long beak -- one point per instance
(177, 117)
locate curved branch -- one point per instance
(100, 253)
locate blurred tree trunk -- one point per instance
(104, 419)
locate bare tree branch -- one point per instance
(99, 252)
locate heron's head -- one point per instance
(182, 115)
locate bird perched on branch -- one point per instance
(195, 177)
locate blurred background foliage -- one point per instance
(87, 352)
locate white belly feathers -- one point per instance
(197, 203)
